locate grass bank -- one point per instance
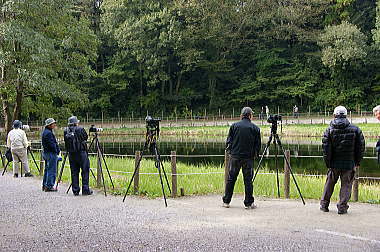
(302, 130)
(213, 181)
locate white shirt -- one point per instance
(17, 139)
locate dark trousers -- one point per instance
(78, 161)
(346, 180)
(234, 168)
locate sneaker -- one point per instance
(28, 174)
(226, 205)
(89, 192)
(324, 209)
(50, 189)
(253, 206)
(44, 188)
(343, 211)
(76, 193)
(15, 175)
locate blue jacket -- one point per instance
(49, 142)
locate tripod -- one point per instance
(34, 160)
(276, 141)
(100, 161)
(151, 145)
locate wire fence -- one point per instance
(200, 156)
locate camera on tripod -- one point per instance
(152, 124)
(274, 118)
(94, 129)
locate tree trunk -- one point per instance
(178, 83)
(211, 90)
(18, 102)
(5, 103)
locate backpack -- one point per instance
(8, 155)
(71, 141)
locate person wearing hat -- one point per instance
(343, 148)
(243, 143)
(50, 155)
(76, 145)
(18, 143)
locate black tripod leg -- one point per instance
(134, 173)
(163, 169)
(105, 163)
(276, 165)
(34, 160)
(93, 175)
(5, 168)
(61, 171)
(261, 160)
(162, 183)
(101, 169)
(68, 189)
(92, 142)
(290, 169)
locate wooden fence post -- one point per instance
(226, 166)
(137, 175)
(99, 169)
(287, 175)
(174, 173)
(42, 164)
(355, 192)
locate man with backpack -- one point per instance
(75, 142)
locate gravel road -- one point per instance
(32, 220)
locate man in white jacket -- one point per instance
(18, 143)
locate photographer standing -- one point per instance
(18, 143)
(376, 113)
(50, 155)
(75, 142)
(243, 143)
(343, 148)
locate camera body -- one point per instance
(93, 129)
(152, 123)
(25, 127)
(274, 118)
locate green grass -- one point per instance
(199, 184)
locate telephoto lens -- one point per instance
(25, 127)
(94, 129)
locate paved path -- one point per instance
(32, 220)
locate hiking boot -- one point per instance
(226, 205)
(28, 174)
(252, 206)
(15, 175)
(88, 192)
(342, 211)
(324, 209)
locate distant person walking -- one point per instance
(243, 143)
(267, 111)
(50, 155)
(76, 145)
(18, 143)
(343, 148)
(295, 111)
(376, 113)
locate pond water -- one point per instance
(303, 152)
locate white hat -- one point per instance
(340, 110)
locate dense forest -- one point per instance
(116, 57)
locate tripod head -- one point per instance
(274, 119)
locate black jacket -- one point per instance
(81, 135)
(49, 142)
(244, 140)
(343, 141)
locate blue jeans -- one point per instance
(50, 172)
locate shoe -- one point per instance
(253, 206)
(15, 175)
(226, 205)
(324, 209)
(50, 189)
(28, 174)
(88, 192)
(343, 211)
(76, 194)
(44, 188)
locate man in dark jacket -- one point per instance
(243, 143)
(343, 148)
(50, 155)
(75, 142)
